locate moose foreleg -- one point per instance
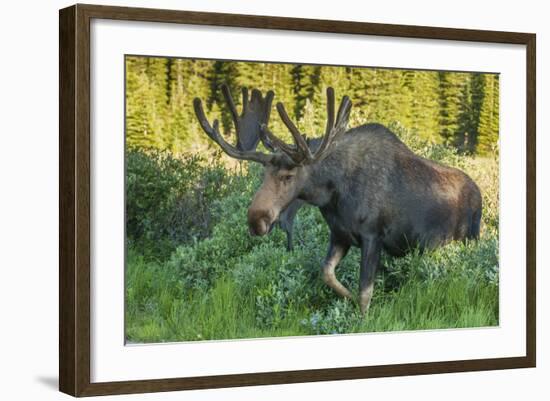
(370, 259)
(336, 252)
(286, 221)
(289, 246)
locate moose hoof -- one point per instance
(364, 304)
(364, 309)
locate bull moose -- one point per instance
(372, 190)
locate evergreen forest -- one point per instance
(453, 108)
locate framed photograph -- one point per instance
(250, 200)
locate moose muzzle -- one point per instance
(260, 221)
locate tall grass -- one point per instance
(159, 308)
(224, 284)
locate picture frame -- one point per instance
(76, 201)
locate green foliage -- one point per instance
(268, 292)
(458, 109)
(489, 116)
(170, 200)
(222, 73)
(450, 98)
(305, 84)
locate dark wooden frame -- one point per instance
(74, 199)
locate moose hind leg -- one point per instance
(336, 252)
(370, 259)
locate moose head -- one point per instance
(288, 168)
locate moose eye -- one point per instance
(286, 177)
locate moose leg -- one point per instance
(289, 246)
(286, 221)
(370, 259)
(286, 226)
(336, 251)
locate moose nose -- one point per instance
(259, 221)
(259, 227)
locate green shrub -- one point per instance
(169, 200)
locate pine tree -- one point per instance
(423, 111)
(141, 105)
(450, 97)
(250, 75)
(358, 78)
(466, 137)
(305, 83)
(489, 115)
(338, 79)
(223, 72)
(279, 79)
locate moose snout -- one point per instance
(259, 222)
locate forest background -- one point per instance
(458, 109)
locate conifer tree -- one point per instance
(222, 72)
(489, 115)
(142, 105)
(337, 78)
(305, 83)
(423, 112)
(450, 97)
(466, 137)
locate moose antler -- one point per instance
(301, 154)
(255, 113)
